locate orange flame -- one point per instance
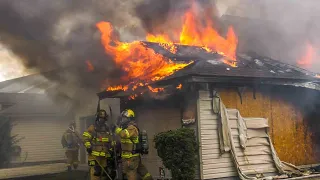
(141, 64)
(194, 32)
(133, 97)
(117, 88)
(179, 86)
(155, 89)
(89, 66)
(306, 60)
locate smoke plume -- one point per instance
(61, 34)
(278, 29)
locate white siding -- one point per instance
(155, 121)
(213, 164)
(257, 156)
(42, 138)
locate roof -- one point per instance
(14, 104)
(209, 67)
(35, 84)
(249, 66)
(27, 96)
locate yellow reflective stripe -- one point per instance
(128, 155)
(127, 133)
(101, 139)
(96, 153)
(86, 134)
(135, 140)
(87, 144)
(118, 130)
(146, 176)
(126, 141)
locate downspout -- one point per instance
(199, 136)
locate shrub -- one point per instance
(178, 151)
(7, 142)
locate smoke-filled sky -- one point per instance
(45, 35)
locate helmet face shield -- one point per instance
(102, 116)
(128, 113)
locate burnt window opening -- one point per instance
(189, 109)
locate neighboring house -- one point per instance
(268, 94)
(40, 119)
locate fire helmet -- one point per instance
(102, 114)
(128, 113)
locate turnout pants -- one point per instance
(72, 158)
(96, 171)
(133, 168)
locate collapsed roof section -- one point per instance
(211, 67)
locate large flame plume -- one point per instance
(196, 33)
(141, 64)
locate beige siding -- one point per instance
(214, 165)
(42, 137)
(155, 121)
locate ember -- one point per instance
(141, 64)
(89, 66)
(179, 86)
(155, 89)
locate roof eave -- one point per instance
(305, 83)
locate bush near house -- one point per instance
(7, 142)
(178, 151)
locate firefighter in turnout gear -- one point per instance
(71, 142)
(128, 131)
(99, 144)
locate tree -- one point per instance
(178, 151)
(7, 142)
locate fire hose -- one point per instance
(103, 169)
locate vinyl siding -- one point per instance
(41, 138)
(213, 164)
(257, 156)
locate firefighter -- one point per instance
(71, 142)
(99, 144)
(127, 129)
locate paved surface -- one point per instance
(46, 169)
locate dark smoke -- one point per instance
(167, 15)
(277, 29)
(61, 35)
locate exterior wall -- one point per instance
(156, 120)
(289, 132)
(212, 164)
(41, 138)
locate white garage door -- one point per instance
(41, 138)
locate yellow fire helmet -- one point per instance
(128, 113)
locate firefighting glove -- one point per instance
(89, 150)
(113, 127)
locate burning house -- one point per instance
(251, 113)
(259, 92)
